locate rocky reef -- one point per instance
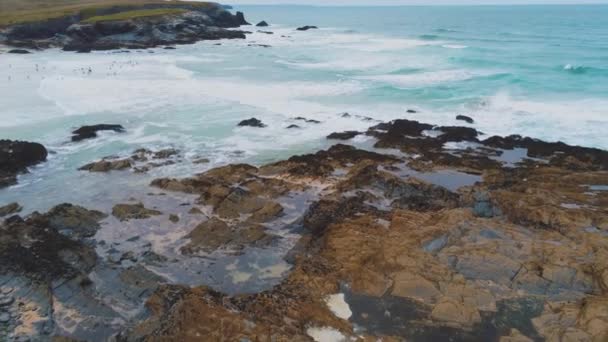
(132, 26)
(432, 234)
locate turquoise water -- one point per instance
(540, 71)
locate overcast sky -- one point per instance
(413, 2)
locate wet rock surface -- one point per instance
(16, 157)
(433, 234)
(140, 161)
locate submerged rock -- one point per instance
(126, 212)
(16, 157)
(90, 132)
(214, 234)
(253, 122)
(107, 165)
(306, 28)
(19, 51)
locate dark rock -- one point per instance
(89, 132)
(169, 48)
(262, 24)
(457, 133)
(412, 111)
(253, 122)
(345, 115)
(166, 153)
(10, 209)
(19, 51)
(266, 32)
(74, 221)
(343, 135)
(32, 247)
(560, 153)
(293, 127)
(109, 28)
(306, 28)
(16, 157)
(465, 118)
(300, 118)
(240, 19)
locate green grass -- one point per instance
(135, 14)
(26, 11)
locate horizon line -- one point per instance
(422, 5)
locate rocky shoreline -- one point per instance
(127, 27)
(431, 234)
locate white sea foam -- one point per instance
(325, 334)
(424, 78)
(454, 46)
(339, 306)
(575, 121)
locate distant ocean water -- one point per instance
(540, 71)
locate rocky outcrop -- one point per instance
(262, 24)
(16, 157)
(90, 132)
(253, 122)
(73, 32)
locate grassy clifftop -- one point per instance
(135, 14)
(24, 11)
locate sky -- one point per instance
(415, 2)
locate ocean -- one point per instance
(540, 71)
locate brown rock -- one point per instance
(125, 212)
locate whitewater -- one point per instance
(535, 71)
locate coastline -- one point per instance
(450, 240)
(307, 190)
(118, 25)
